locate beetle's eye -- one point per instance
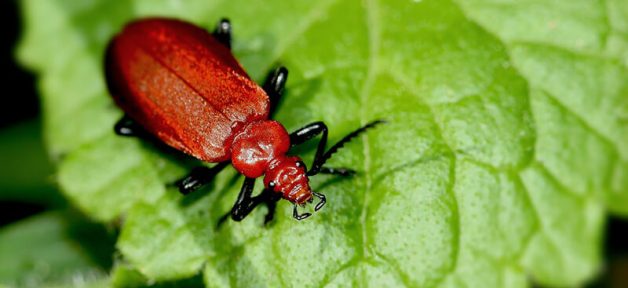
(301, 164)
(272, 184)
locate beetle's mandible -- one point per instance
(181, 84)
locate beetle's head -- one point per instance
(287, 175)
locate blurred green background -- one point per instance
(44, 242)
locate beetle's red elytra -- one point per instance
(182, 85)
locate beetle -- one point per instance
(181, 84)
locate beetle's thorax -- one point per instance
(255, 145)
(260, 148)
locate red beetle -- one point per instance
(181, 84)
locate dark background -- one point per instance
(20, 108)
(19, 99)
(19, 104)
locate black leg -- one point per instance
(245, 203)
(199, 177)
(310, 131)
(268, 197)
(271, 203)
(318, 163)
(127, 127)
(223, 32)
(322, 201)
(274, 86)
(296, 215)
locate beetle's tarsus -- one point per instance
(296, 215)
(322, 201)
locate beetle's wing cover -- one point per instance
(183, 86)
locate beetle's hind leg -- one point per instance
(128, 127)
(223, 32)
(274, 86)
(198, 177)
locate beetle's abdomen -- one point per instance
(183, 86)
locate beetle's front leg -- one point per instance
(310, 131)
(274, 86)
(270, 198)
(245, 203)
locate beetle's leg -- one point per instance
(267, 196)
(308, 132)
(198, 177)
(274, 86)
(322, 158)
(271, 202)
(245, 203)
(311, 130)
(223, 32)
(322, 201)
(296, 215)
(127, 127)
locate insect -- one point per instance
(181, 84)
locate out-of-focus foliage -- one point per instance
(50, 249)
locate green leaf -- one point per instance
(44, 250)
(507, 140)
(125, 276)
